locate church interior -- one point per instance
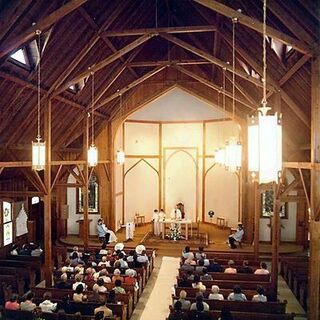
(145, 142)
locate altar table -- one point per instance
(186, 222)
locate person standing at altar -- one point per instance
(176, 214)
(162, 215)
(156, 225)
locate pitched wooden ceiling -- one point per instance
(131, 44)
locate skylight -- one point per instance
(19, 56)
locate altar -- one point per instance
(185, 222)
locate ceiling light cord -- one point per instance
(234, 21)
(92, 102)
(264, 101)
(38, 33)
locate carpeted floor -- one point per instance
(156, 297)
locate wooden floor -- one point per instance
(217, 241)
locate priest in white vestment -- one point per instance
(176, 214)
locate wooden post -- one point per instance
(47, 199)
(85, 184)
(256, 247)
(275, 242)
(314, 226)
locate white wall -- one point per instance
(182, 144)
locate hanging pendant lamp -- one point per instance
(233, 153)
(265, 133)
(38, 146)
(92, 150)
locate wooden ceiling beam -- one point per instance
(130, 86)
(214, 60)
(256, 25)
(172, 30)
(31, 86)
(182, 62)
(42, 25)
(213, 86)
(300, 63)
(101, 36)
(284, 16)
(105, 62)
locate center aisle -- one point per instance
(156, 298)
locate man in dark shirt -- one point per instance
(214, 266)
(245, 267)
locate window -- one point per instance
(19, 56)
(93, 196)
(267, 206)
(35, 200)
(7, 223)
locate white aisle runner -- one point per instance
(157, 305)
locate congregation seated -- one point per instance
(117, 287)
(103, 274)
(13, 303)
(186, 251)
(263, 269)
(185, 304)
(197, 283)
(130, 279)
(184, 283)
(27, 249)
(103, 250)
(27, 304)
(47, 305)
(260, 296)
(123, 263)
(142, 258)
(37, 251)
(104, 310)
(215, 295)
(79, 296)
(225, 314)
(78, 279)
(245, 267)
(75, 259)
(215, 266)
(89, 274)
(201, 313)
(177, 313)
(199, 300)
(75, 252)
(200, 266)
(63, 283)
(206, 275)
(237, 295)
(200, 254)
(117, 276)
(231, 268)
(104, 262)
(99, 286)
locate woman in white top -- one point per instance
(259, 297)
(215, 295)
(263, 269)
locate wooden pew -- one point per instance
(60, 293)
(191, 292)
(236, 315)
(228, 255)
(27, 315)
(245, 306)
(87, 308)
(234, 276)
(229, 284)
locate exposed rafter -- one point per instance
(256, 25)
(40, 25)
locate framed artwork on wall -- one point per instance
(6, 212)
(7, 233)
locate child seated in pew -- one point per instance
(237, 295)
(259, 297)
(215, 295)
(231, 268)
(263, 269)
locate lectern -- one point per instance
(80, 221)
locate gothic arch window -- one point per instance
(93, 196)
